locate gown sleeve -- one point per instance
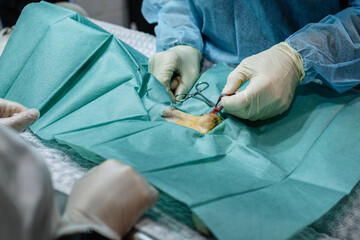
(176, 23)
(330, 49)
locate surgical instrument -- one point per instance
(201, 86)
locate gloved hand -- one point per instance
(273, 75)
(177, 68)
(16, 116)
(109, 199)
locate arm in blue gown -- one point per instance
(176, 24)
(330, 49)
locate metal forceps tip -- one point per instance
(199, 87)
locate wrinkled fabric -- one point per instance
(257, 180)
(324, 33)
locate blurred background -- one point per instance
(126, 13)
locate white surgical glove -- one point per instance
(177, 68)
(109, 199)
(16, 116)
(273, 75)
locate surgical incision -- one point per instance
(202, 124)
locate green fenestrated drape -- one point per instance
(260, 180)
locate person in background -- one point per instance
(10, 10)
(104, 204)
(274, 44)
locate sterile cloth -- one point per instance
(272, 161)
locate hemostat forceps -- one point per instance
(201, 86)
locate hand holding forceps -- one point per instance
(201, 86)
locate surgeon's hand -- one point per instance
(177, 68)
(109, 199)
(16, 116)
(273, 76)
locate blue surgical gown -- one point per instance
(326, 33)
